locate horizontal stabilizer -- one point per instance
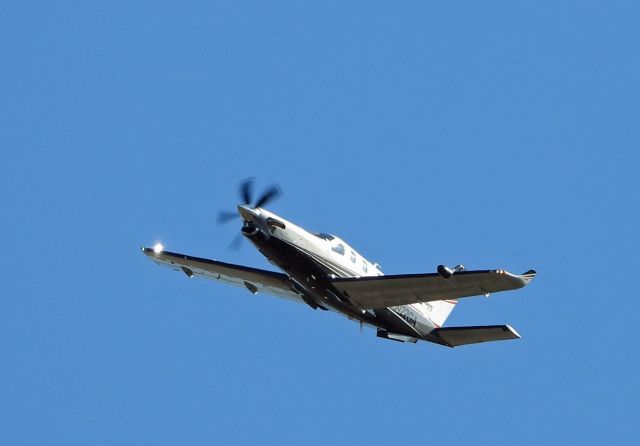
(455, 336)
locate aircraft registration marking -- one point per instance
(406, 313)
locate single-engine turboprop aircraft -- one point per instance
(325, 273)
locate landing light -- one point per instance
(158, 248)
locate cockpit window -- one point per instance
(324, 236)
(353, 257)
(339, 248)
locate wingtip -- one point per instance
(528, 277)
(156, 250)
(513, 331)
(149, 252)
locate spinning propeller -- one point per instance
(246, 192)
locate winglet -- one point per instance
(529, 276)
(520, 280)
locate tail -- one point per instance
(440, 310)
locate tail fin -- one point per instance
(439, 310)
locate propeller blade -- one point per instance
(246, 190)
(271, 194)
(226, 216)
(236, 242)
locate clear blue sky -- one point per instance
(496, 134)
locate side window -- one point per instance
(339, 248)
(364, 266)
(353, 257)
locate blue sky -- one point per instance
(494, 134)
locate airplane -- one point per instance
(324, 272)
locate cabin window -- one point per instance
(339, 248)
(353, 257)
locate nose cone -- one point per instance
(247, 213)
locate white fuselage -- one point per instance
(338, 259)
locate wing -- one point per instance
(255, 280)
(389, 291)
(455, 336)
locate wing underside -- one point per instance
(254, 279)
(389, 291)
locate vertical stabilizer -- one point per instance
(439, 310)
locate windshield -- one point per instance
(324, 236)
